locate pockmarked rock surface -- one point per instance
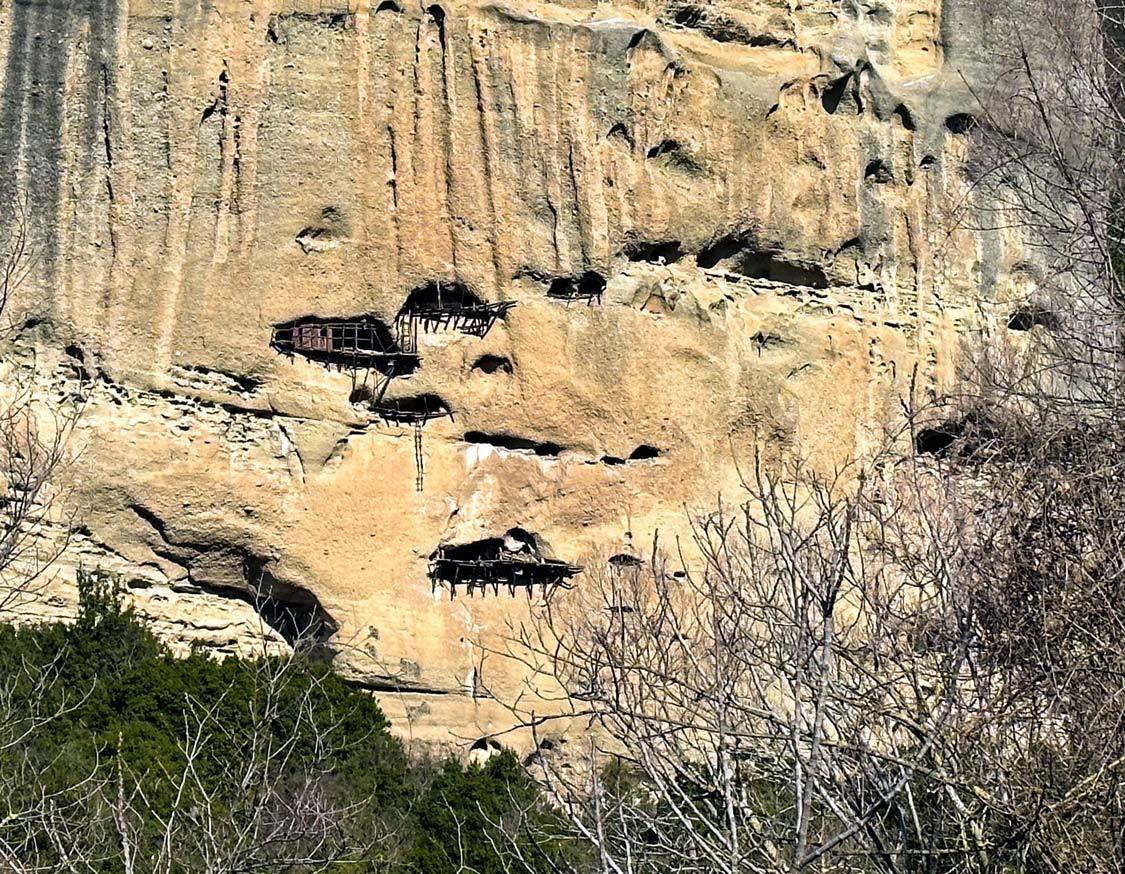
(267, 233)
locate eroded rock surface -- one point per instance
(718, 225)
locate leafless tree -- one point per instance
(34, 435)
(1044, 163)
(793, 700)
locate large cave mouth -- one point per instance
(289, 609)
(441, 305)
(348, 342)
(514, 560)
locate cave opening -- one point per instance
(441, 305)
(412, 410)
(513, 560)
(960, 123)
(292, 611)
(513, 443)
(936, 441)
(662, 252)
(741, 254)
(588, 287)
(879, 172)
(1026, 318)
(493, 364)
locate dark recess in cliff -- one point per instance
(740, 253)
(588, 287)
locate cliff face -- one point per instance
(721, 226)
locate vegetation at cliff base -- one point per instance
(116, 756)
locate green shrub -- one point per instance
(283, 760)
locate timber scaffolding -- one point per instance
(489, 563)
(358, 343)
(439, 306)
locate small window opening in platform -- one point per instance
(513, 560)
(354, 343)
(588, 287)
(438, 305)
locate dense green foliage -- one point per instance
(110, 746)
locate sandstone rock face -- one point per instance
(721, 226)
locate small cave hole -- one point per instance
(960, 123)
(78, 361)
(937, 441)
(690, 16)
(667, 252)
(905, 117)
(878, 172)
(664, 147)
(388, 6)
(644, 452)
(620, 132)
(1026, 318)
(588, 287)
(834, 94)
(927, 162)
(485, 744)
(493, 364)
(676, 156)
(741, 254)
(436, 13)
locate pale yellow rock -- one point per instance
(198, 173)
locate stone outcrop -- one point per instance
(718, 227)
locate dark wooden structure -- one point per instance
(360, 342)
(512, 561)
(439, 306)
